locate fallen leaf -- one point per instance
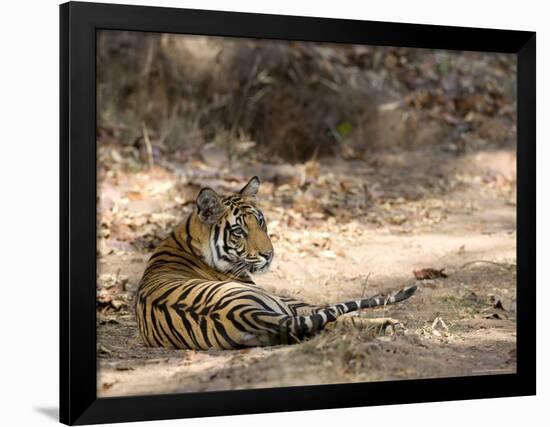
(135, 195)
(429, 273)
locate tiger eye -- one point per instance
(237, 232)
(261, 219)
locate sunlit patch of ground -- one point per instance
(349, 229)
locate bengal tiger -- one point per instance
(197, 292)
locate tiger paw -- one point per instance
(394, 327)
(386, 326)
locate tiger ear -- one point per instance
(209, 206)
(251, 189)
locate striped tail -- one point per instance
(296, 328)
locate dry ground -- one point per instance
(341, 229)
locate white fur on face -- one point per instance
(226, 260)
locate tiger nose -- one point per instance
(268, 255)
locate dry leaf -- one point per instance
(429, 273)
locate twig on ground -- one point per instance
(148, 146)
(365, 285)
(503, 265)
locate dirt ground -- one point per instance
(341, 229)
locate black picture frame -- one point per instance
(78, 25)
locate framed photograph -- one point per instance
(267, 213)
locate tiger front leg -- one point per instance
(375, 326)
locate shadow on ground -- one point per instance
(49, 412)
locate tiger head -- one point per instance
(238, 242)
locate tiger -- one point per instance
(197, 291)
